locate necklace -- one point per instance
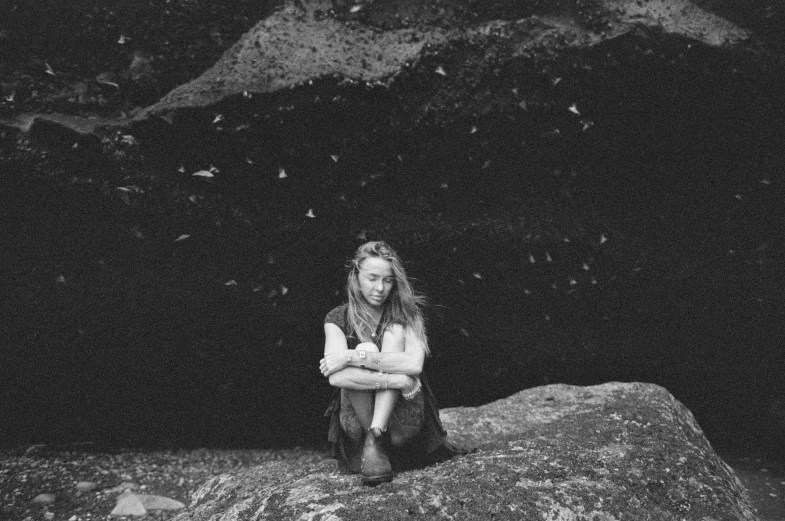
(378, 321)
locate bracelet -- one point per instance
(411, 394)
(379, 385)
(349, 357)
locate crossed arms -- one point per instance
(395, 367)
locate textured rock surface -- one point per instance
(610, 452)
(306, 42)
(317, 41)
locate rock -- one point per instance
(130, 504)
(300, 44)
(44, 499)
(557, 453)
(63, 124)
(86, 486)
(152, 502)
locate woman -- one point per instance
(384, 416)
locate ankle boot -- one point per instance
(376, 466)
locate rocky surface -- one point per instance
(368, 43)
(613, 451)
(304, 43)
(27, 472)
(47, 482)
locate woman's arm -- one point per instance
(357, 379)
(334, 366)
(402, 353)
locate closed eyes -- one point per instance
(373, 278)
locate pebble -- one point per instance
(44, 499)
(152, 502)
(129, 505)
(86, 486)
(49, 516)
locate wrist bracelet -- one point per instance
(411, 394)
(349, 357)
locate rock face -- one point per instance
(610, 452)
(310, 41)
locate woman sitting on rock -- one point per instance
(384, 416)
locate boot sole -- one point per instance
(375, 480)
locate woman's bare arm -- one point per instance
(356, 379)
(335, 366)
(402, 353)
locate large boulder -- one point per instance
(607, 452)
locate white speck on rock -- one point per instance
(326, 511)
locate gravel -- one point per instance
(30, 472)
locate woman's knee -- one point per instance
(394, 340)
(368, 346)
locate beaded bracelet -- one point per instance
(411, 394)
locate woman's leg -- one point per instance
(363, 403)
(385, 399)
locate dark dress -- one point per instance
(428, 446)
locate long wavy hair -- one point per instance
(403, 305)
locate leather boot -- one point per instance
(376, 466)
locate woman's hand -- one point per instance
(333, 362)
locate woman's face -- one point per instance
(376, 280)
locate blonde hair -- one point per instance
(403, 306)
